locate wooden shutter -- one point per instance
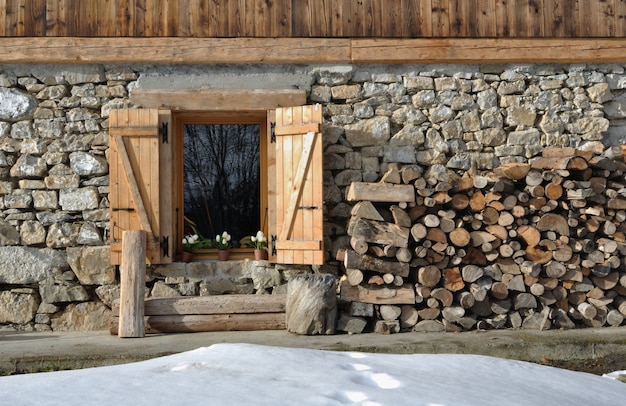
(140, 196)
(295, 186)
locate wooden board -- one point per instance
(223, 304)
(380, 192)
(304, 50)
(320, 18)
(352, 260)
(209, 322)
(210, 313)
(218, 99)
(404, 294)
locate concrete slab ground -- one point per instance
(45, 351)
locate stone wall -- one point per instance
(54, 271)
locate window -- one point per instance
(147, 178)
(222, 167)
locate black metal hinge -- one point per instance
(274, 245)
(163, 131)
(165, 246)
(272, 132)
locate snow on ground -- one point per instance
(245, 374)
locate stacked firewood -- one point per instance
(532, 245)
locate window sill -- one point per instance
(234, 254)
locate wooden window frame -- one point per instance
(179, 120)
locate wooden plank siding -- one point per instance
(314, 18)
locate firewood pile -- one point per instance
(529, 245)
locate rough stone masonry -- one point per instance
(54, 271)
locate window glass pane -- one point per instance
(222, 178)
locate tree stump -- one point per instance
(311, 307)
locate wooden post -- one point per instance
(132, 284)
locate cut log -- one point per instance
(365, 209)
(499, 290)
(355, 276)
(472, 273)
(378, 232)
(377, 294)
(525, 301)
(534, 178)
(466, 300)
(538, 255)
(587, 310)
(443, 296)
(359, 245)
(514, 283)
(392, 175)
(389, 278)
(380, 192)
(376, 280)
(477, 201)
(553, 222)
(408, 316)
(460, 237)
(404, 255)
(459, 201)
(555, 269)
(453, 313)
(513, 170)
(573, 162)
(560, 152)
(429, 276)
(368, 263)
(490, 215)
(410, 174)
(400, 217)
(479, 238)
(390, 312)
(553, 191)
(419, 231)
(452, 279)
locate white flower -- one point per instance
(185, 241)
(253, 239)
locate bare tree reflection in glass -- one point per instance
(222, 178)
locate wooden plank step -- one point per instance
(208, 322)
(222, 304)
(188, 314)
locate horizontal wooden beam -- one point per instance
(219, 304)
(490, 50)
(173, 50)
(310, 50)
(197, 323)
(218, 99)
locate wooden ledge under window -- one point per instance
(218, 99)
(234, 254)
